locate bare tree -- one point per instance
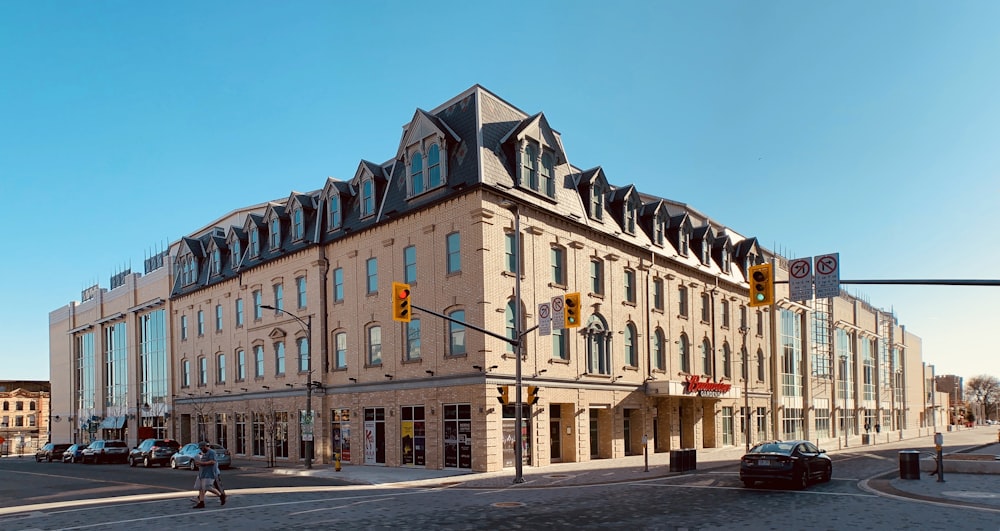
(984, 389)
(265, 412)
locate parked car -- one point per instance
(186, 456)
(105, 451)
(798, 462)
(153, 452)
(74, 454)
(51, 451)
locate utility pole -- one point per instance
(307, 422)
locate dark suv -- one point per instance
(153, 452)
(105, 451)
(51, 451)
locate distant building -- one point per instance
(668, 348)
(24, 416)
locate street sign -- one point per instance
(800, 279)
(827, 275)
(557, 313)
(544, 319)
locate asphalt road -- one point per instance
(712, 499)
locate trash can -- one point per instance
(675, 460)
(909, 464)
(692, 459)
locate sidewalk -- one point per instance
(974, 490)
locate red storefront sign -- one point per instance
(696, 385)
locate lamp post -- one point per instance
(843, 374)
(518, 346)
(746, 389)
(307, 324)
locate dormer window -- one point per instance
(275, 232)
(237, 251)
(298, 227)
(547, 183)
(425, 168)
(417, 174)
(529, 166)
(367, 197)
(724, 260)
(254, 241)
(685, 241)
(188, 269)
(659, 229)
(705, 253)
(433, 166)
(216, 261)
(630, 216)
(333, 218)
(597, 202)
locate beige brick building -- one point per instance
(668, 347)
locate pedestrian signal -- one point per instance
(504, 391)
(401, 310)
(532, 395)
(571, 310)
(761, 285)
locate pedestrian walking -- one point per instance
(207, 474)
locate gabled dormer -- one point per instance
(592, 185)
(701, 242)
(747, 253)
(190, 257)
(680, 231)
(369, 182)
(301, 209)
(722, 252)
(655, 221)
(333, 200)
(538, 151)
(255, 229)
(214, 251)
(236, 242)
(624, 205)
(424, 150)
(275, 221)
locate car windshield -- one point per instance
(773, 448)
(115, 444)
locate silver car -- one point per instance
(188, 454)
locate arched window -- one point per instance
(548, 171)
(529, 167)
(509, 320)
(303, 347)
(275, 233)
(333, 212)
(706, 357)
(760, 365)
(456, 334)
(598, 346)
(659, 358)
(684, 353)
(727, 361)
(417, 174)
(631, 354)
(367, 198)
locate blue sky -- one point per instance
(864, 128)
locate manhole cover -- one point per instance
(508, 504)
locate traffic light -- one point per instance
(532, 395)
(761, 285)
(401, 302)
(571, 310)
(504, 391)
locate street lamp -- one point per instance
(746, 390)
(518, 348)
(307, 324)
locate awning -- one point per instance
(112, 423)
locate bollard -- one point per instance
(336, 462)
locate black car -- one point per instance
(153, 452)
(50, 452)
(798, 462)
(105, 451)
(74, 454)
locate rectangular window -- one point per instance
(560, 350)
(218, 317)
(333, 218)
(275, 233)
(241, 365)
(728, 435)
(597, 277)
(279, 358)
(220, 376)
(186, 373)
(375, 345)
(658, 294)
(559, 266)
(456, 334)
(413, 339)
(203, 371)
(239, 313)
(338, 284)
(789, 345)
(371, 266)
(760, 323)
(630, 286)
(682, 301)
(300, 289)
(201, 323)
(304, 362)
(410, 264)
(454, 249)
(725, 313)
(340, 341)
(510, 255)
(743, 318)
(706, 307)
(297, 228)
(257, 302)
(184, 327)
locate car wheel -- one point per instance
(131, 462)
(191, 465)
(50, 459)
(827, 474)
(749, 483)
(173, 464)
(146, 462)
(801, 479)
